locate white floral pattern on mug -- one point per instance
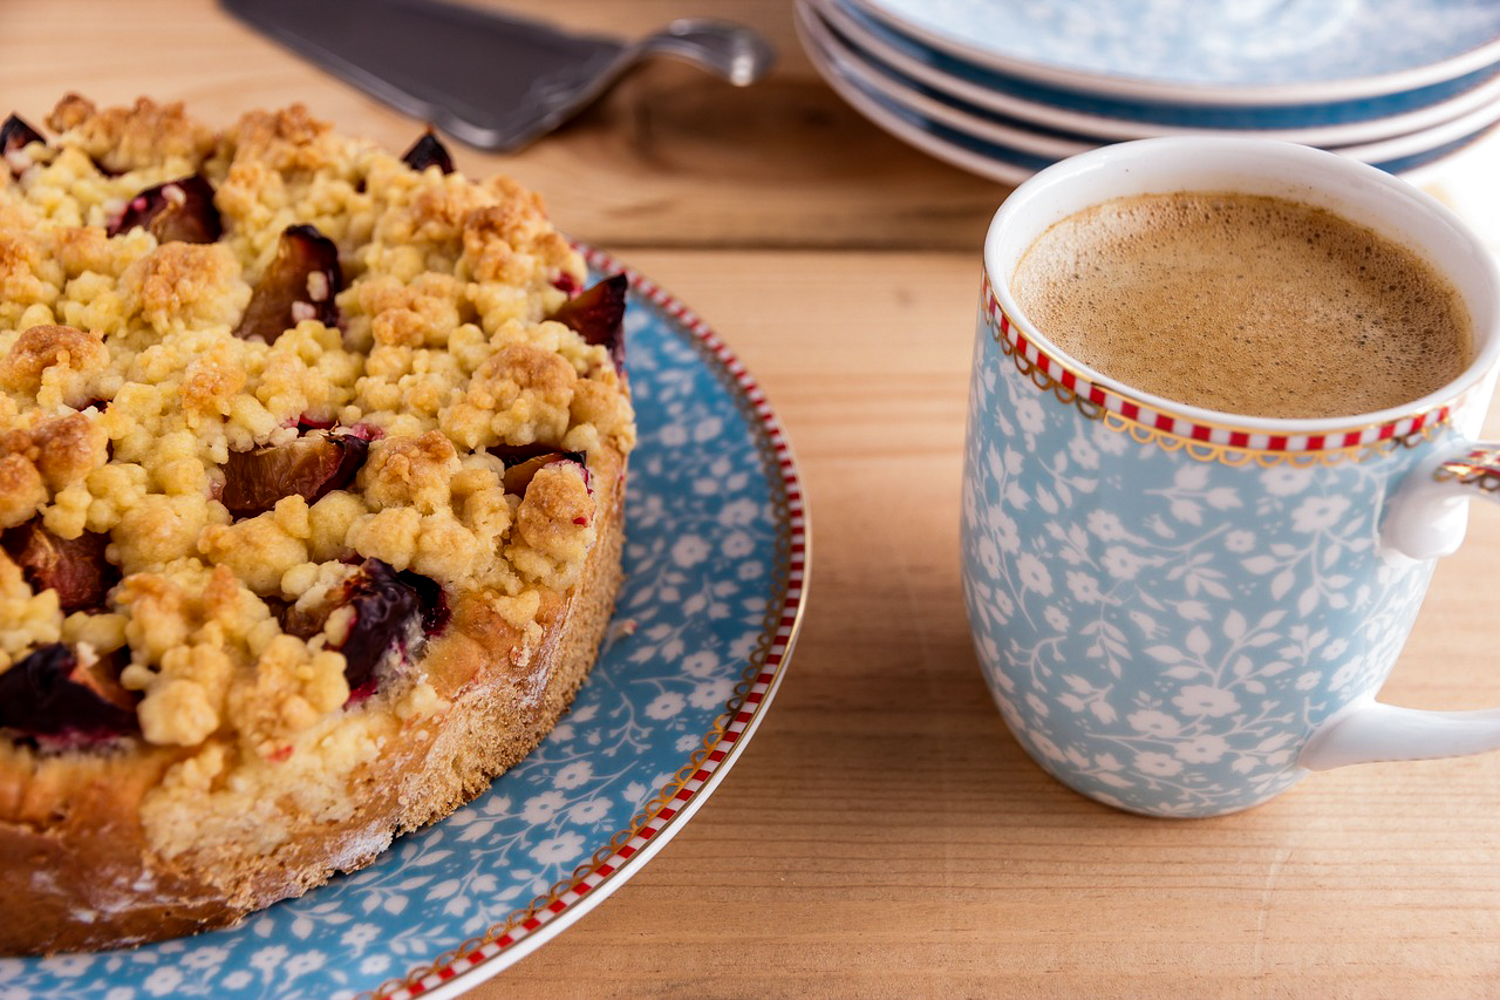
(1161, 633)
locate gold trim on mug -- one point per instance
(1201, 440)
(1480, 467)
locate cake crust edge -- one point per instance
(78, 871)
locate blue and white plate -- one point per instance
(1106, 118)
(1011, 162)
(715, 563)
(1234, 52)
(1389, 154)
(987, 159)
(837, 57)
(844, 60)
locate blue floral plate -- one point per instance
(715, 562)
(910, 117)
(1102, 113)
(1227, 52)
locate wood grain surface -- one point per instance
(883, 835)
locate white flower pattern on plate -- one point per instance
(701, 592)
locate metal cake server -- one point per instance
(486, 77)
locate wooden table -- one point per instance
(883, 835)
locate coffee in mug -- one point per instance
(1244, 304)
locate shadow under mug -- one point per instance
(1180, 612)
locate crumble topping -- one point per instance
(128, 380)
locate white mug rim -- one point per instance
(1062, 189)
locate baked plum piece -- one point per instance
(522, 465)
(300, 284)
(15, 136)
(426, 152)
(74, 567)
(310, 466)
(180, 210)
(63, 699)
(598, 315)
(387, 606)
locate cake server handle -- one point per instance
(1425, 519)
(730, 51)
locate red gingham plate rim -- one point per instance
(670, 810)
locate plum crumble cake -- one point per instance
(312, 467)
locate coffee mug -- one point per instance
(1181, 612)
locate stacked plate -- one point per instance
(1005, 87)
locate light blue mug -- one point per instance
(1181, 612)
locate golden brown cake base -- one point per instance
(77, 871)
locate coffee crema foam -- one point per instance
(1245, 304)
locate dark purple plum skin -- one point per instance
(301, 252)
(432, 599)
(428, 151)
(515, 454)
(384, 607)
(16, 134)
(189, 217)
(598, 315)
(386, 604)
(40, 697)
(520, 470)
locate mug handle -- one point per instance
(1425, 519)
